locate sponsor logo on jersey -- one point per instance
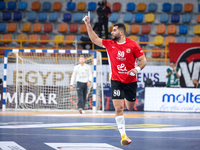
(122, 68)
(120, 56)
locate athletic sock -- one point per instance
(120, 124)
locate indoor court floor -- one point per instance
(41, 130)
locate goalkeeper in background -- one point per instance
(83, 75)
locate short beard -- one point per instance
(115, 38)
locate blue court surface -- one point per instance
(73, 131)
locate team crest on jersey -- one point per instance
(128, 50)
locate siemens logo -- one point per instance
(180, 98)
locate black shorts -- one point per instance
(123, 90)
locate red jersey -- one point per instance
(121, 57)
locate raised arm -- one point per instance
(93, 36)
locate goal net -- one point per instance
(40, 79)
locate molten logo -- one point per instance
(181, 98)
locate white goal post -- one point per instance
(36, 79)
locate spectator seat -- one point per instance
(81, 6)
(53, 17)
(178, 7)
(73, 28)
(17, 16)
(183, 29)
(48, 27)
(92, 6)
(152, 7)
(138, 17)
(46, 6)
(141, 7)
(188, 7)
(37, 27)
(12, 27)
(181, 39)
(158, 40)
(166, 7)
(71, 6)
(146, 29)
(130, 6)
(149, 17)
(31, 16)
(135, 28)
(164, 18)
(128, 17)
(42, 16)
(67, 17)
(175, 18)
(160, 29)
(36, 5)
(22, 5)
(114, 17)
(62, 27)
(11, 5)
(116, 6)
(78, 17)
(57, 6)
(172, 29)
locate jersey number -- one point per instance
(116, 93)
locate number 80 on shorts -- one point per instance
(116, 93)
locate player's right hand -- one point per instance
(71, 88)
(87, 20)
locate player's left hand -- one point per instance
(88, 83)
(134, 71)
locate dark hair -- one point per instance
(82, 56)
(102, 3)
(121, 26)
(172, 62)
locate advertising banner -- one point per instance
(58, 75)
(187, 58)
(172, 99)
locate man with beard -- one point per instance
(83, 75)
(122, 54)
